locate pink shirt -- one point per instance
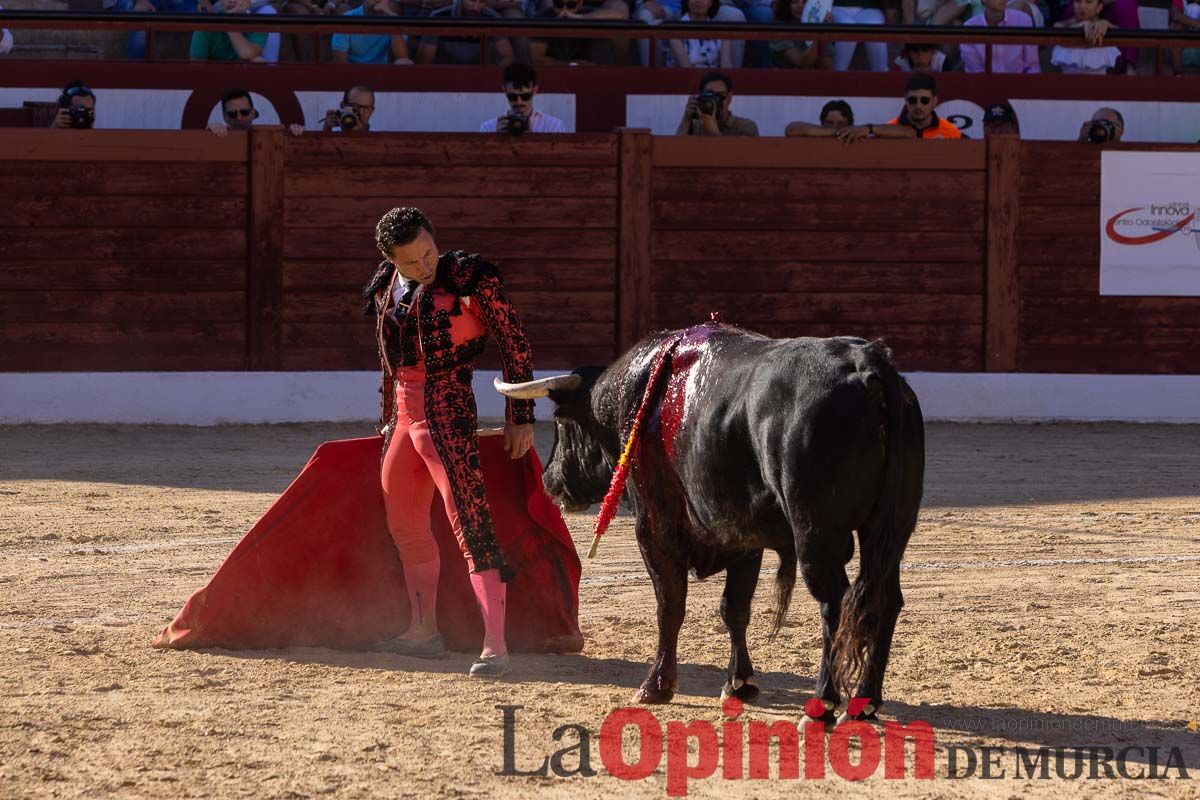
(1005, 58)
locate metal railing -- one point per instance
(1158, 40)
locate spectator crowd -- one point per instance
(1091, 20)
(707, 113)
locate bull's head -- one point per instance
(580, 466)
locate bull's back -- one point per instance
(774, 427)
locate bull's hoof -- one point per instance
(828, 719)
(818, 710)
(862, 716)
(651, 695)
(746, 691)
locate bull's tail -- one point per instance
(785, 582)
(881, 540)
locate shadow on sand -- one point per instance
(784, 695)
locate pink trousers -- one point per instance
(412, 471)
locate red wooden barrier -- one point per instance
(122, 251)
(1065, 324)
(157, 250)
(545, 209)
(814, 238)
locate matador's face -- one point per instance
(417, 260)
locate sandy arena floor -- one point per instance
(1053, 598)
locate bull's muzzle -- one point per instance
(531, 390)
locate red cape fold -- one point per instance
(320, 569)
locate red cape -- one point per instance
(320, 569)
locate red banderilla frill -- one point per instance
(608, 508)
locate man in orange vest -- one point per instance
(920, 100)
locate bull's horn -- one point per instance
(539, 388)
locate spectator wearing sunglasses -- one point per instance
(520, 87)
(920, 100)
(238, 113)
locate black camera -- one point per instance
(1101, 131)
(348, 118)
(517, 123)
(81, 116)
(708, 103)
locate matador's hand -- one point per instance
(518, 439)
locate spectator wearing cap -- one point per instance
(1000, 118)
(919, 114)
(371, 48)
(1013, 58)
(920, 57)
(76, 107)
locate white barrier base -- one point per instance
(217, 398)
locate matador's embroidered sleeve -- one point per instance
(387, 382)
(505, 326)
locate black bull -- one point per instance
(753, 443)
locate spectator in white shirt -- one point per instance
(520, 87)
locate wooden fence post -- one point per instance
(635, 221)
(264, 250)
(1002, 291)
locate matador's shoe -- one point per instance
(491, 666)
(432, 647)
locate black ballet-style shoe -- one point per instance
(492, 666)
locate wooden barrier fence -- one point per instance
(156, 250)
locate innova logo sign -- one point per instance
(1149, 224)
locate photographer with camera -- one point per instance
(1106, 125)
(354, 114)
(708, 114)
(520, 87)
(76, 107)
